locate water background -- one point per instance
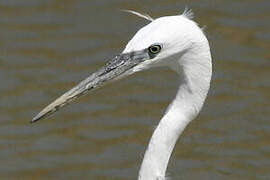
(48, 46)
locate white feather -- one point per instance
(188, 13)
(144, 16)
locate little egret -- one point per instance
(173, 41)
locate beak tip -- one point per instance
(35, 119)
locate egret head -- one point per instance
(160, 43)
(164, 40)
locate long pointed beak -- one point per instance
(112, 70)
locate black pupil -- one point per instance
(154, 49)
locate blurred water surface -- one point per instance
(48, 46)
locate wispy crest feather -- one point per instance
(144, 16)
(188, 13)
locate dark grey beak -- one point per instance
(113, 69)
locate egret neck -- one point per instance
(194, 69)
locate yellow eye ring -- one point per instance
(154, 49)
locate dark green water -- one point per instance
(48, 46)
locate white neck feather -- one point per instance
(195, 70)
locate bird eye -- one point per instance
(154, 49)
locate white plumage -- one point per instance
(186, 51)
(173, 41)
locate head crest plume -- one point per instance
(188, 13)
(144, 16)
